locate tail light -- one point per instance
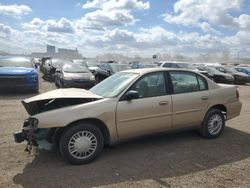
(237, 93)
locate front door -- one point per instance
(151, 112)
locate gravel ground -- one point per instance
(173, 160)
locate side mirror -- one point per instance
(132, 94)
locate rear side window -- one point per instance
(202, 83)
(187, 82)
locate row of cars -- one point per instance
(78, 73)
(216, 72)
(21, 72)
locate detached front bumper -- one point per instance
(19, 136)
(41, 138)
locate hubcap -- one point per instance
(82, 144)
(215, 124)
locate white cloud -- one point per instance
(117, 4)
(34, 24)
(4, 29)
(110, 13)
(200, 13)
(244, 22)
(63, 25)
(15, 10)
(100, 19)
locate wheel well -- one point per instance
(220, 107)
(97, 122)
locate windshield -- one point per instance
(16, 62)
(56, 63)
(80, 62)
(245, 68)
(91, 64)
(212, 70)
(231, 70)
(119, 67)
(114, 85)
(74, 68)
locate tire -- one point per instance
(81, 152)
(213, 124)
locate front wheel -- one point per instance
(81, 144)
(213, 124)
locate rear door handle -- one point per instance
(204, 98)
(163, 103)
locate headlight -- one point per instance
(33, 122)
(67, 78)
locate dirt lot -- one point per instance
(175, 160)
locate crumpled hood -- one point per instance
(63, 97)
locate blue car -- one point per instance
(245, 70)
(18, 73)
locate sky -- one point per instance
(130, 27)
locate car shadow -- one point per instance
(156, 157)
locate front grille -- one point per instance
(12, 80)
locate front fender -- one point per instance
(103, 110)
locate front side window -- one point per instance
(151, 85)
(185, 82)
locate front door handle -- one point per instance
(204, 98)
(163, 103)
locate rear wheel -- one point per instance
(81, 144)
(213, 124)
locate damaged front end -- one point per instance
(35, 137)
(44, 138)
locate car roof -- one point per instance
(157, 69)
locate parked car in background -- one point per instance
(143, 65)
(74, 75)
(107, 69)
(50, 67)
(128, 104)
(92, 66)
(217, 76)
(18, 73)
(239, 78)
(184, 65)
(43, 62)
(245, 70)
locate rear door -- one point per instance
(190, 98)
(151, 112)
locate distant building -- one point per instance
(61, 53)
(51, 49)
(68, 53)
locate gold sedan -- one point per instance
(128, 104)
